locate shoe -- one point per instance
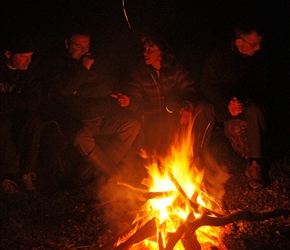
(27, 180)
(9, 187)
(254, 172)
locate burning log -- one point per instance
(147, 231)
(221, 221)
(191, 243)
(158, 195)
(160, 241)
(193, 205)
(189, 227)
(144, 194)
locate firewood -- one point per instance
(147, 195)
(158, 195)
(220, 221)
(190, 243)
(195, 206)
(160, 241)
(146, 231)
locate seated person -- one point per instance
(20, 125)
(83, 86)
(164, 96)
(235, 82)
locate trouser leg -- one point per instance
(29, 144)
(85, 137)
(256, 127)
(121, 132)
(203, 125)
(9, 158)
(93, 154)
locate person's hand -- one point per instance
(185, 116)
(87, 61)
(236, 107)
(123, 100)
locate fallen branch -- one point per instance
(221, 221)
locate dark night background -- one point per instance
(193, 28)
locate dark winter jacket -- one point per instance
(19, 89)
(228, 73)
(151, 95)
(83, 94)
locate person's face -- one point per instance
(19, 61)
(152, 54)
(78, 45)
(249, 44)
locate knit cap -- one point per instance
(19, 43)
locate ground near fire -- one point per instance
(66, 213)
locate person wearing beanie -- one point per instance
(20, 124)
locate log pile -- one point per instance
(186, 231)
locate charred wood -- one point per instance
(221, 221)
(147, 231)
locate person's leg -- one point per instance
(256, 127)
(9, 158)
(29, 144)
(122, 131)
(85, 137)
(203, 124)
(93, 154)
(26, 132)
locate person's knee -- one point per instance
(136, 126)
(204, 110)
(203, 107)
(253, 108)
(84, 142)
(130, 131)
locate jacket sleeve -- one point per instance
(134, 90)
(189, 92)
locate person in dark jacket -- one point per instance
(20, 124)
(235, 80)
(163, 95)
(82, 88)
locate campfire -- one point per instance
(179, 210)
(175, 196)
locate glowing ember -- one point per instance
(183, 198)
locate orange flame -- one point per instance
(172, 211)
